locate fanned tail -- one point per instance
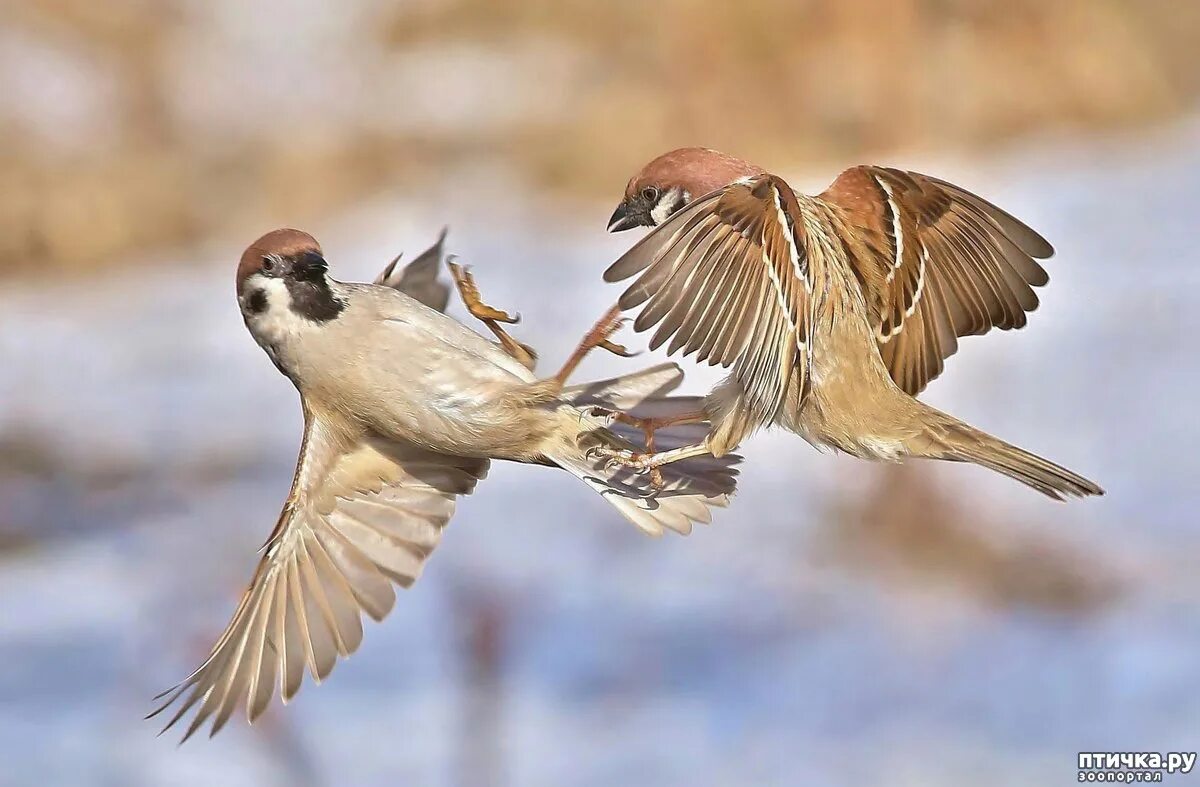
(691, 488)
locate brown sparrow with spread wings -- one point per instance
(833, 311)
(403, 409)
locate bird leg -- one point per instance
(598, 336)
(649, 426)
(490, 316)
(651, 462)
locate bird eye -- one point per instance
(650, 194)
(268, 264)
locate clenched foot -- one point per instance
(469, 291)
(599, 335)
(633, 460)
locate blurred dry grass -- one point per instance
(905, 530)
(123, 133)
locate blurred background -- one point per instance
(842, 624)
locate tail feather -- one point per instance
(960, 442)
(691, 488)
(629, 390)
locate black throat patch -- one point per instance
(312, 299)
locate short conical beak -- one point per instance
(621, 220)
(309, 266)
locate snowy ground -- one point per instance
(549, 643)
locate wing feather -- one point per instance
(268, 660)
(941, 263)
(705, 328)
(361, 516)
(726, 278)
(419, 279)
(694, 292)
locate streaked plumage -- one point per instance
(967, 266)
(833, 311)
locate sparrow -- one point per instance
(833, 311)
(404, 408)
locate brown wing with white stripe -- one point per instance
(360, 517)
(942, 263)
(726, 278)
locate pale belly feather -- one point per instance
(852, 403)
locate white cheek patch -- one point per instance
(274, 290)
(277, 320)
(668, 202)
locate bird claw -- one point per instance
(472, 299)
(601, 333)
(617, 349)
(638, 463)
(606, 416)
(485, 312)
(598, 336)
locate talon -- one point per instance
(473, 300)
(605, 327)
(607, 417)
(600, 335)
(637, 463)
(481, 311)
(616, 349)
(613, 456)
(601, 452)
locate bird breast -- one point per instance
(410, 376)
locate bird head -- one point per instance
(671, 181)
(285, 270)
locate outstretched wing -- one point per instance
(419, 278)
(360, 517)
(941, 263)
(727, 278)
